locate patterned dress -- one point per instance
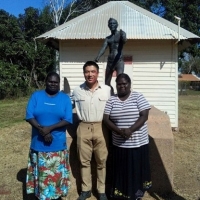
(48, 174)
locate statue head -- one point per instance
(112, 24)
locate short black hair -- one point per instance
(52, 74)
(125, 76)
(90, 63)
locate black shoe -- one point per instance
(102, 196)
(84, 195)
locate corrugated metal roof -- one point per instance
(137, 22)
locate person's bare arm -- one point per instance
(45, 131)
(47, 136)
(33, 122)
(141, 120)
(111, 125)
(48, 129)
(138, 124)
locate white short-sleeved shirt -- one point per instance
(124, 114)
(90, 104)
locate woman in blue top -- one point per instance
(48, 111)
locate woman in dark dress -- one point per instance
(125, 115)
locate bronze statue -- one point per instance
(115, 42)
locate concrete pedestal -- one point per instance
(161, 151)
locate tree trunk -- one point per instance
(31, 75)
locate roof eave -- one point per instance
(183, 44)
(54, 42)
(50, 42)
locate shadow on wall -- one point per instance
(160, 181)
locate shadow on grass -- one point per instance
(21, 176)
(168, 196)
(161, 185)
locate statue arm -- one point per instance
(123, 36)
(102, 50)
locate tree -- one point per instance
(191, 64)
(23, 64)
(67, 7)
(12, 76)
(37, 58)
(70, 9)
(189, 12)
(56, 10)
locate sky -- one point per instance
(16, 7)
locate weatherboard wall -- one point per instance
(153, 70)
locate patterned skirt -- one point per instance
(131, 172)
(48, 174)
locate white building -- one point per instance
(151, 51)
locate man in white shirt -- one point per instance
(90, 99)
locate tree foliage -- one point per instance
(23, 62)
(189, 12)
(190, 65)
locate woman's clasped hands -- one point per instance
(46, 133)
(126, 133)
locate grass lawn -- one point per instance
(15, 139)
(12, 111)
